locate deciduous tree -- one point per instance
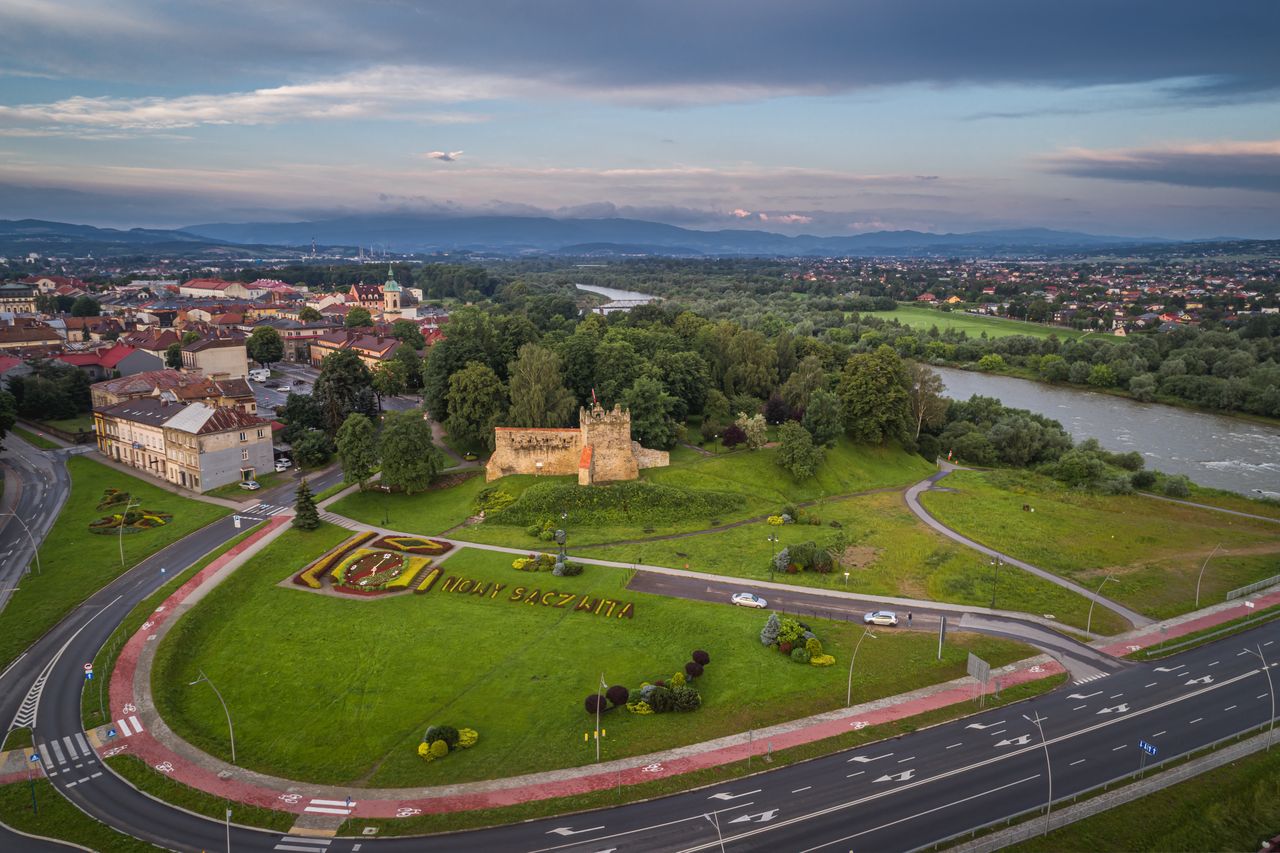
(651, 407)
(477, 401)
(344, 386)
(927, 405)
(357, 317)
(538, 395)
(408, 332)
(797, 452)
(873, 393)
(409, 457)
(823, 417)
(357, 448)
(265, 346)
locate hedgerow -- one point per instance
(619, 503)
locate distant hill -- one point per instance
(515, 234)
(21, 236)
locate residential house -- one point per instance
(214, 288)
(116, 360)
(18, 298)
(82, 329)
(217, 357)
(175, 386)
(24, 336)
(372, 349)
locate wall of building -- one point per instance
(599, 451)
(534, 451)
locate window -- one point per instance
(244, 455)
(259, 433)
(243, 437)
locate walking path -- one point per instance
(913, 502)
(1212, 508)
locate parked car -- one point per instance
(283, 464)
(299, 382)
(250, 485)
(271, 384)
(881, 617)
(748, 599)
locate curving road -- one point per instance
(36, 486)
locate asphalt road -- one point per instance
(43, 486)
(896, 795)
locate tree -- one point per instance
(300, 413)
(390, 379)
(992, 361)
(873, 393)
(190, 337)
(651, 407)
(823, 417)
(617, 366)
(927, 405)
(312, 449)
(685, 376)
(797, 452)
(306, 516)
(752, 364)
(265, 346)
(469, 336)
(409, 359)
(776, 409)
(344, 386)
(310, 315)
(408, 332)
(409, 457)
(84, 306)
(769, 633)
(809, 376)
(754, 428)
(357, 317)
(8, 413)
(173, 356)
(477, 400)
(357, 448)
(538, 395)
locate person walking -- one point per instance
(908, 618)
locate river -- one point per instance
(1217, 451)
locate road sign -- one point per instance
(111, 732)
(88, 667)
(1148, 748)
(35, 756)
(88, 672)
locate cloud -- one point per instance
(1228, 165)
(794, 219)
(739, 213)
(446, 156)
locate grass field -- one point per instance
(232, 491)
(58, 818)
(1231, 500)
(77, 563)
(919, 317)
(1235, 807)
(896, 554)
(1155, 549)
(80, 423)
(35, 440)
(429, 513)
(354, 683)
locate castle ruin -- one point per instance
(600, 450)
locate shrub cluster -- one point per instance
(439, 741)
(804, 557)
(658, 697)
(794, 639)
(618, 503)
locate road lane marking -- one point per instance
(1117, 696)
(71, 747)
(1079, 707)
(1196, 720)
(997, 732)
(1074, 763)
(1157, 734)
(980, 726)
(1230, 708)
(723, 795)
(1261, 696)
(801, 790)
(84, 745)
(954, 745)
(124, 727)
(859, 773)
(1215, 663)
(57, 752)
(1152, 684)
(1118, 748)
(862, 759)
(905, 760)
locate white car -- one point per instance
(748, 599)
(283, 464)
(881, 617)
(250, 485)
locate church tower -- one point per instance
(391, 294)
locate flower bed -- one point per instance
(310, 576)
(411, 571)
(368, 570)
(415, 545)
(794, 639)
(134, 521)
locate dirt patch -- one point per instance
(859, 556)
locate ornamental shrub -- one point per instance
(424, 752)
(821, 660)
(533, 529)
(467, 738)
(813, 646)
(693, 669)
(617, 695)
(569, 570)
(1177, 486)
(686, 699)
(678, 680)
(635, 696)
(439, 749)
(661, 700)
(701, 657)
(595, 703)
(733, 435)
(769, 633)
(791, 630)
(800, 655)
(775, 520)
(1143, 479)
(785, 648)
(448, 734)
(781, 560)
(639, 708)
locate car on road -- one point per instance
(272, 384)
(881, 617)
(299, 382)
(748, 599)
(250, 485)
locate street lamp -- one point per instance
(124, 519)
(848, 699)
(1089, 622)
(714, 819)
(995, 581)
(1272, 689)
(1038, 720)
(1202, 568)
(773, 543)
(231, 731)
(846, 580)
(35, 548)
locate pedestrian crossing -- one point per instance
(71, 758)
(128, 726)
(1089, 678)
(304, 844)
(264, 510)
(341, 521)
(338, 807)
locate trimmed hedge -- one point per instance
(619, 503)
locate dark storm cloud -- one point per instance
(1226, 47)
(1231, 165)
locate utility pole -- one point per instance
(34, 548)
(848, 699)
(1038, 720)
(231, 731)
(1089, 622)
(1200, 576)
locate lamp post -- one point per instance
(1270, 688)
(231, 731)
(124, 519)
(714, 819)
(773, 543)
(995, 580)
(228, 829)
(1089, 622)
(35, 548)
(848, 699)
(846, 580)
(1038, 720)
(1202, 568)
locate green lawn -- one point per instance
(232, 491)
(79, 423)
(1234, 807)
(356, 682)
(58, 818)
(920, 317)
(1155, 548)
(429, 513)
(77, 563)
(1230, 500)
(893, 553)
(35, 440)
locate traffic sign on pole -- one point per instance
(1148, 748)
(236, 519)
(88, 672)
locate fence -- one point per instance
(1253, 587)
(79, 437)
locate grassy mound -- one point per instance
(621, 503)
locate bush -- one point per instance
(439, 748)
(821, 660)
(769, 633)
(424, 752)
(533, 530)
(800, 655)
(678, 680)
(686, 699)
(701, 657)
(733, 435)
(813, 646)
(635, 696)
(448, 734)
(785, 647)
(1143, 479)
(617, 695)
(693, 669)
(661, 700)
(633, 502)
(468, 738)
(567, 570)
(595, 703)
(639, 708)
(1177, 486)
(791, 630)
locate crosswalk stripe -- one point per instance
(71, 748)
(297, 848)
(124, 728)
(57, 752)
(137, 726)
(325, 810)
(84, 745)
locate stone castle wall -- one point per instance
(599, 451)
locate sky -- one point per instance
(806, 116)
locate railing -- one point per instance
(1253, 587)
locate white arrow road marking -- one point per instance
(862, 759)
(1083, 695)
(724, 796)
(1170, 668)
(763, 817)
(1119, 709)
(980, 726)
(1204, 679)
(1020, 740)
(567, 830)
(897, 777)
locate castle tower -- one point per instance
(391, 293)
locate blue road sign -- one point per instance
(111, 732)
(35, 756)
(1148, 748)
(88, 676)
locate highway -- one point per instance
(41, 485)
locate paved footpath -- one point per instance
(152, 741)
